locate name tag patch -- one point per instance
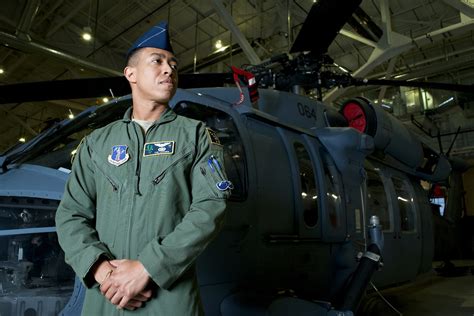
(119, 155)
(159, 148)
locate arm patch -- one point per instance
(213, 138)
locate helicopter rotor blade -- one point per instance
(416, 84)
(63, 89)
(323, 23)
(95, 87)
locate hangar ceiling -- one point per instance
(41, 40)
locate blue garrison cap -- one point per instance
(156, 37)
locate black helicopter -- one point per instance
(322, 199)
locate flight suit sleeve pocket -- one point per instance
(215, 178)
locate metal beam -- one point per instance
(240, 38)
(462, 6)
(388, 75)
(428, 37)
(33, 47)
(357, 37)
(288, 21)
(15, 118)
(442, 68)
(31, 8)
(413, 66)
(386, 22)
(398, 44)
(4, 57)
(379, 55)
(69, 104)
(77, 7)
(17, 63)
(51, 10)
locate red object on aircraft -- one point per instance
(355, 116)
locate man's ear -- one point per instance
(129, 73)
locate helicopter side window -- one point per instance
(234, 155)
(333, 197)
(309, 193)
(377, 199)
(405, 205)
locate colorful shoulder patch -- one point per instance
(224, 185)
(119, 155)
(159, 148)
(213, 138)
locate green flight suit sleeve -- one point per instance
(168, 258)
(75, 218)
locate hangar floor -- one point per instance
(432, 295)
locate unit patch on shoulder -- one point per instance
(213, 138)
(224, 185)
(159, 148)
(119, 155)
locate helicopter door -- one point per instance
(408, 227)
(316, 185)
(334, 227)
(305, 185)
(391, 198)
(379, 203)
(301, 155)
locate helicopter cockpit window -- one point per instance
(405, 205)
(309, 192)
(377, 198)
(333, 190)
(234, 155)
(57, 149)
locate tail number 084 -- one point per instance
(306, 111)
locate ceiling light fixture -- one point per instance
(2, 71)
(218, 44)
(87, 33)
(71, 115)
(22, 139)
(105, 99)
(222, 49)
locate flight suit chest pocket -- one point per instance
(177, 165)
(110, 174)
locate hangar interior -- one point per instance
(421, 40)
(413, 40)
(426, 40)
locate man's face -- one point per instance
(154, 74)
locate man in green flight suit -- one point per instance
(145, 197)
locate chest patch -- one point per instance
(159, 148)
(119, 155)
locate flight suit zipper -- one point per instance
(139, 157)
(140, 140)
